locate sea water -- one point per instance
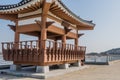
(3, 62)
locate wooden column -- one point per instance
(16, 36)
(43, 40)
(76, 40)
(63, 55)
(64, 40)
(76, 55)
(43, 35)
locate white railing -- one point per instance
(101, 58)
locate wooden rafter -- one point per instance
(56, 9)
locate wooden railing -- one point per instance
(30, 51)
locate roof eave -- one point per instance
(77, 17)
(89, 27)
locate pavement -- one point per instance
(30, 72)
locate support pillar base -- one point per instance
(42, 69)
(15, 67)
(64, 66)
(78, 64)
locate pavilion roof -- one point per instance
(57, 8)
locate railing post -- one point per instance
(63, 46)
(49, 53)
(56, 52)
(2, 46)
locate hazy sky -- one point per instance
(104, 13)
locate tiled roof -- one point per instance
(30, 5)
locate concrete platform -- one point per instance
(30, 72)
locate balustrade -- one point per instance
(30, 51)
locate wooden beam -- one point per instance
(11, 17)
(56, 30)
(53, 36)
(29, 28)
(36, 34)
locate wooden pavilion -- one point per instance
(50, 21)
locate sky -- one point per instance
(104, 13)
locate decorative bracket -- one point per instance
(79, 35)
(67, 30)
(65, 24)
(47, 23)
(39, 23)
(12, 27)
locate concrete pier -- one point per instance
(42, 69)
(64, 66)
(78, 64)
(15, 67)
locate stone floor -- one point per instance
(30, 72)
